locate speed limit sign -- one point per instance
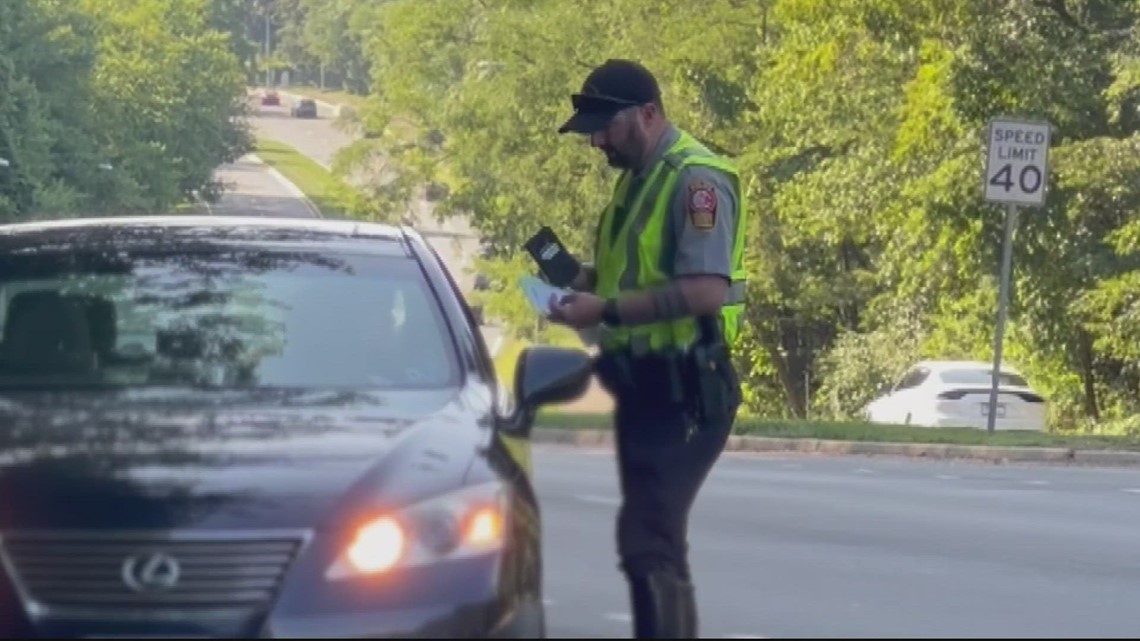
(1017, 163)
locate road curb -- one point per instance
(934, 451)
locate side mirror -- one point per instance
(546, 375)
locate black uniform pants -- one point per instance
(662, 463)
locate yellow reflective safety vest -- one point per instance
(632, 259)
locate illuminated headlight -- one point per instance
(460, 524)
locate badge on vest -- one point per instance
(702, 205)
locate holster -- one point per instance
(714, 378)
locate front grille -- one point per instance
(140, 572)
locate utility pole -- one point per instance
(268, 70)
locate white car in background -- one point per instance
(957, 394)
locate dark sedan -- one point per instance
(304, 108)
(226, 427)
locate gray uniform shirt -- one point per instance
(704, 212)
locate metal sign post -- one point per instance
(1017, 171)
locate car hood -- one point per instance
(217, 461)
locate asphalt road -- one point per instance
(318, 138)
(794, 546)
(252, 188)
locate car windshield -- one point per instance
(230, 319)
(980, 377)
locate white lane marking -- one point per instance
(621, 617)
(1131, 490)
(289, 186)
(548, 602)
(1035, 482)
(946, 477)
(863, 470)
(601, 500)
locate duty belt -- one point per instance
(624, 373)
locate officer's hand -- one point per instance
(578, 310)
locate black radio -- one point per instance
(556, 263)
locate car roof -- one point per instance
(189, 228)
(946, 365)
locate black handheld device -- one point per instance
(556, 263)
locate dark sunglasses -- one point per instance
(600, 102)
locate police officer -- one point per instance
(665, 291)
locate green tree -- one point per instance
(114, 106)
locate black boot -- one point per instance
(664, 607)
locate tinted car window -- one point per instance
(232, 318)
(913, 378)
(980, 377)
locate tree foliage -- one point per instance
(114, 106)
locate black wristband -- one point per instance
(610, 313)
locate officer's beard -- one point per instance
(617, 159)
(627, 158)
(629, 152)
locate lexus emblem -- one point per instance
(151, 572)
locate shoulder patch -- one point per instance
(702, 204)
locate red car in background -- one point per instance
(270, 98)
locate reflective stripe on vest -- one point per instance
(636, 257)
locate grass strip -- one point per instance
(320, 186)
(868, 432)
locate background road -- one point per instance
(788, 546)
(317, 138)
(254, 189)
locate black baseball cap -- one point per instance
(615, 85)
